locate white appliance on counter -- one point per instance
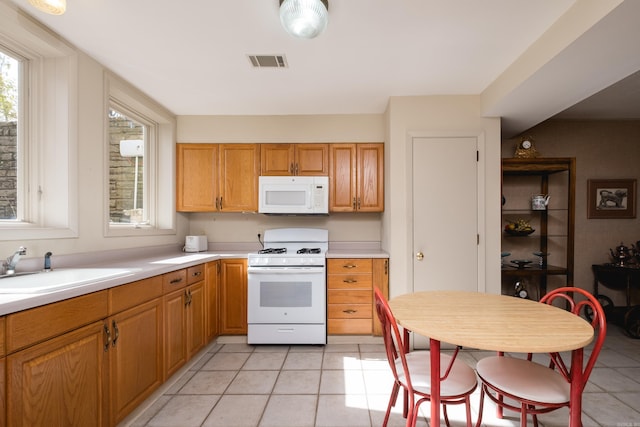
(287, 296)
(196, 244)
(293, 195)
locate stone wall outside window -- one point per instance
(8, 170)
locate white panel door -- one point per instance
(445, 213)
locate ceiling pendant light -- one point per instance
(304, 18)
(52, 7)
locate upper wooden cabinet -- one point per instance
(239, 171)
(217, 177)
(356, 177)
(197, 177)
(224, 177)
(294, 159)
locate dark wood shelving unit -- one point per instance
(521, 178)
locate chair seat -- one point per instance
(525, 379)
(461, 380)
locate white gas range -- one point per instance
(287, 288)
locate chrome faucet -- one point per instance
(11, 262)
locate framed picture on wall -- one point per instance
(611, 198)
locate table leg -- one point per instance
(575, 409)
(435, 381)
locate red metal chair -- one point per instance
(412, 372)
(525, 386)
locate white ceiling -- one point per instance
(191, 56)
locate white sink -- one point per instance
(59, 279)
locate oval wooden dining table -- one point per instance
(496, 323)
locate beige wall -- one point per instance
(603, 150)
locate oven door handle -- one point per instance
(285, 270)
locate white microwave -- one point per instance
(294, 195)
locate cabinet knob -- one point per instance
(419, 256)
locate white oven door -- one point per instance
(286, 295)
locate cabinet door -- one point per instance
(233, 296)
(175, 331)
(277, 159)
(135, 357)
(370, 180)
(3, 392)
(59, 382)
(196, 177)
(342, 177)
(380, 281)
(211, 297)
(239, 169)
(196, 328)
(312, 159)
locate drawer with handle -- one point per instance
(195, 274)
(349, 265)
(350, 311)
(174, 280)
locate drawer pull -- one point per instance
(196, 274)
(350, 311)
(350, 281)
(349, 266)
(176, 280)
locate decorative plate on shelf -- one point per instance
(518, 232)
(521, 263)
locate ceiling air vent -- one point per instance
(268, 61)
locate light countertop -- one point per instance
(133, 269)
(133, 266)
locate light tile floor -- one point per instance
(239, 385)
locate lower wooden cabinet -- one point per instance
(184, 312)
(135, 356)
(233, 296)
(196, 319)
(3, 392)
(350, 303)
(60, 382)
(212, 278)
(3, 389)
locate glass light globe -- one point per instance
(304, 18)
(52, 7)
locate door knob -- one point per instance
(419, 256)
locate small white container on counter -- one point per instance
(196, 244)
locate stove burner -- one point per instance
(309, 251)
(273, 251)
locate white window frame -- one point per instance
(159, 188)
(47, 133)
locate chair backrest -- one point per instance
(589, 307)
(394, 343)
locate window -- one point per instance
(127, 177)
(140, 136)
(9, 107)
(41, 202)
